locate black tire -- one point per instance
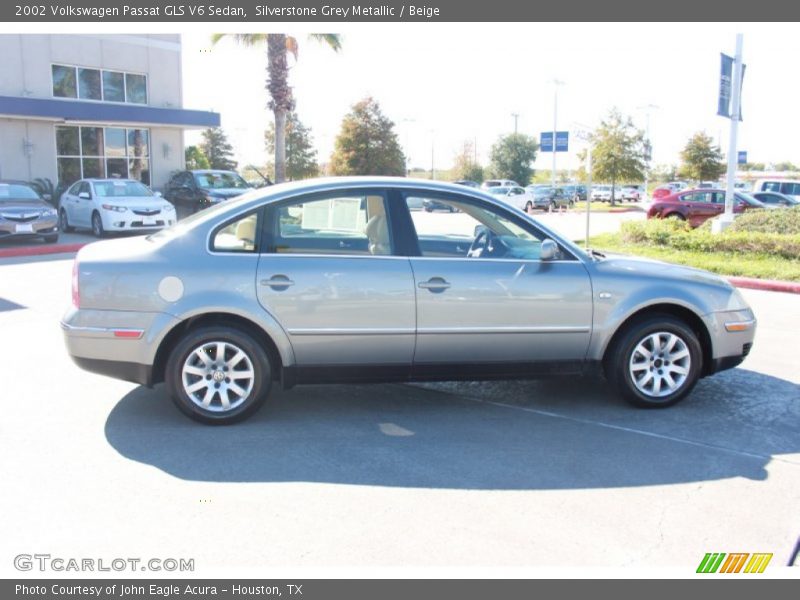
(619, 358)
(216, 415)
(529, 206)
(97, 225)
(552, 206)
(675, 215)
(63, 222)
(50, 239)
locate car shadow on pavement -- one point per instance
(557, 435)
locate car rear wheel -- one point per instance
(97, 225)
(63, 222)
(677, 216)
(528, 206)
(656, 362)
(218, 375)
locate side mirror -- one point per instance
(158, 194)
(549, 250)
(84, 196)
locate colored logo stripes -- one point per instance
(735, 562)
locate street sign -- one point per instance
(741, 158)
(725, 87)
(562, 141)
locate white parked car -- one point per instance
(631, 193)
(515, 196)
(114, 205)
(602, 193)
(788, 187)
(490, 183)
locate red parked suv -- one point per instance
(696, 206)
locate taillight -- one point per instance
(76, 293)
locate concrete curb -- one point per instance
(769, 285)
(40, 250)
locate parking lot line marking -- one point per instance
(662, 436)
(394, 430)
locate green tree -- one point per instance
(701, 158)
(664, 173)
(511, 157)
(367, 143)
(785, 166)
(466, 166)
(301, 157)
(217, 149)
(279, 45)
(195, 159)
(618, 151)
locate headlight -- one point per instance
(50, 212)
(120, 209)
(167, 207)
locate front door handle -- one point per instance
(434, 284)
(277, 282)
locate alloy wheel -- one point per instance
(660, 364)
(218, 376)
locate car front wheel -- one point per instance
(656, 362)
(97, 225)
(63, 222)
(218, 375)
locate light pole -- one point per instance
(585, 134)
(736, 95)
(433, 170)
(516, 118)
(556, 83)
(648, 146)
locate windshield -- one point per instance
(121, 188)
(215, 180)
(10, 192)
(750, 200)
(499, 190)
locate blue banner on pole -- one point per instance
(726, 85)
(741, 157)
(562, 141)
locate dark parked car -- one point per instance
(468, 183)
(191, 191)
(697, 206)
(23, 213)
(576, 192)
(775, 199)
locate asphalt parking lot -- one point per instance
(519, 474)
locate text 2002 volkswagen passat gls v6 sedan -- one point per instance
(337, 280)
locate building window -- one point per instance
(99, 84)
(64, 85)
(91, 151)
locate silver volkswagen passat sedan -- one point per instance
(336, 280)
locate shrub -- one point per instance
(780, 220)
(677, 235)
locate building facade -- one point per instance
(75, 106)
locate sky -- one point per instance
(443, 84)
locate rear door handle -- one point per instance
(277, 282)
(434, 284)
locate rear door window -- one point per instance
(343, 223)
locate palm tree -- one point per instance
(281, 101)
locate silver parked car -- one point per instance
(337, 280)
(24, 214)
